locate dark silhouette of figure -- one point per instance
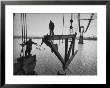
(51, 27)
(29, 47)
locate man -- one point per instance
(29, 47)
(51, 27)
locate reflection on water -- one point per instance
(84, 63)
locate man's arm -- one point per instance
(23, 44)
(34, 43)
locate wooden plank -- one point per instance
(70, 48)
(73, 45)
(66, 49)
(51, 45)
(70, 60)
(58, 37)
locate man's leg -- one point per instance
(50, 32)
(25, 53)
(29, 54)
(53, 33)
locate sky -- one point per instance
(38, 23)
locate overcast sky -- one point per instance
(38, 24)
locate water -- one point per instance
(84, 63)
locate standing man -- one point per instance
(51, 27)
(29, 47)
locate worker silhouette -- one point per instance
(29, 47)
(51, 27)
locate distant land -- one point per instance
(33, 37)
(88, 38)
(39, 37)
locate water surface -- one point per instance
(84, 63)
